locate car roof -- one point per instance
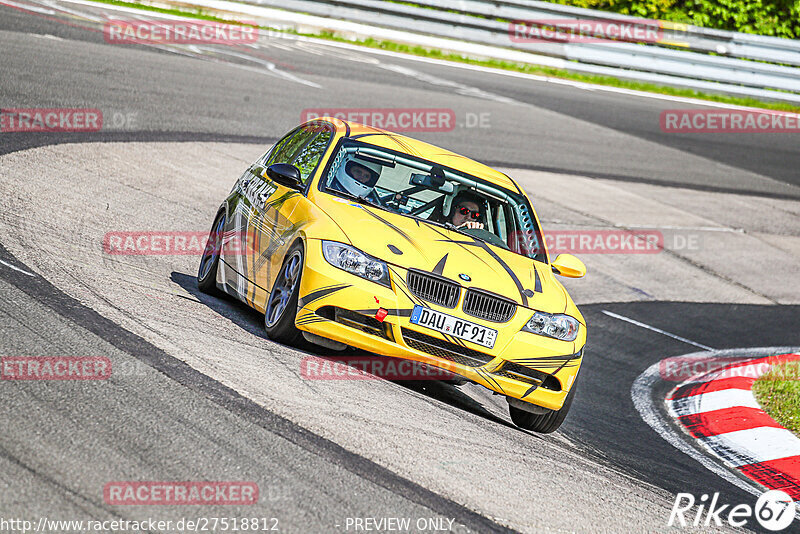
(401, 143)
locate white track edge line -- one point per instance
(654, 329)
(23, 271)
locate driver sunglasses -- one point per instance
(465, 211)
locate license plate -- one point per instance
(447, 324)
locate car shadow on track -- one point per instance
(236, 312)
(252, 322)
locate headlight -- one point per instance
(558, 326)
(354, 261)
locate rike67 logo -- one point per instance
(774, 511)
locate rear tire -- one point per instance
(544, 423)
(281, 308)
(209, 262)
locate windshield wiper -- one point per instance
(450, 226)
(360, 200)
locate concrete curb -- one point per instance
(717, 408)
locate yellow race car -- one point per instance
(349, 235)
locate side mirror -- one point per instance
(285, 174)
(568, 265)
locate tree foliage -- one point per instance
(779, 18)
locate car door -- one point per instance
(276, 220)
(237, 236)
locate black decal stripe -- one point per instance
(533, 388)
(439, 269)
(567, 357)
(447, 239)
(505, 266)
(400, 283)
(459, 341)
(537, 363)
(548, 368)
(451, 339)
(537, 288)
(405, 146)
(556, 362)
(281, 200)
(306, 317)
(480, 244)
(274, 244)
(394, 137)
(318, 294)
(311, 321)
(557, 367)
(491, 378)
(264, 256)
(530, 390)
(392, 226)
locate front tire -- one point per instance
(209, 262)
(281, 309)
(542, 423)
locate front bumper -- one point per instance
(337, 305)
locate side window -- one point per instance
(501, 224)
(286, 147)
(309, 156)
(303, 148)
(266, 158)
(515, 239)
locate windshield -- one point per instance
(430, 192)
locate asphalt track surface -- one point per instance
(605, 470)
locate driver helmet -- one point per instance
(359, 177)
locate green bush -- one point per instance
(780, 18)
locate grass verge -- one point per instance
(526, 68)
(778, 393)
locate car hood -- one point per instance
(406, 242)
